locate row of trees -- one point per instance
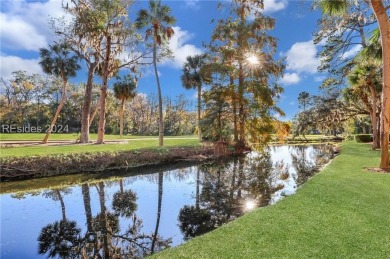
(357, 84)
(238, 66)
(241, 73)
(32, 101)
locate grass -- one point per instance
(68, 136)
(41, 150)
(342, 212)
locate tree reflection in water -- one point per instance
(228, 191)
(306, 166)
(222, 191)
(60, 238)
(103, 237)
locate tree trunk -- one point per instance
(199, 110)
(62, 205)
(87, 206)
(241, 107)
(121, 111)
(103, 94)
(374, 123)
(197, 194)
(378, 131)
(160, 193)
(93, 115)
(384, 27)
(234, 104)
(160, 110)
(104, 221)
(53, 122)
(85, 116)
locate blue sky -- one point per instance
(24, 29)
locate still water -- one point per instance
(132, 215)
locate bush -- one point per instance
(363, 138)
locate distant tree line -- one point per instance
(32, 101)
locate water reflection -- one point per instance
(104, 236)
(136, 216)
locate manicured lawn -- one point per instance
(67, 136)
(38, 150)
(342, 212)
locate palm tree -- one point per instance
(192, 78)
(365, 84)
(58, 61)
(339, 7)
(157, 22)
(123, 91)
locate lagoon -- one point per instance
(132, 213)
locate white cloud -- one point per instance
(301, 57)
(11, 64)
(24, 24)
(351, 52)
(272, 6)
(192, 4)
(17, 34)
(319, 78)
(149, 71)
(181, 50)
(290, 79)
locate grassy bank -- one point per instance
(69, 136)
(21, 168)
(42, 150)
(342, 212)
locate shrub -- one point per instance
(363, 138)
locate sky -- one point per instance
(24, 29)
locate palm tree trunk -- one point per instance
(62, 205)
(103, 94)
(199, 110)
(104, 220)
(87, 206)
(160, 193)
(53, 122)
(197, 196)
(85, 116)
(121, 111)
(384, 27)
(160, 110)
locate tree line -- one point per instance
(356, 86)
(34, 102)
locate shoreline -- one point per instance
(24, 168)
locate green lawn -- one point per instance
(342, 212)
(67, 136)
(38, 150)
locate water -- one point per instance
(127, 215)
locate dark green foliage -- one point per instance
(363, 138)
(124, 203)
(194, 221)
(58, 60)
(59, 239)
(124, 87)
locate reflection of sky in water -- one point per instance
(23, 219)
(283, 154)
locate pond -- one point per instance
(133, 214)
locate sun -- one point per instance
(250, 205)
